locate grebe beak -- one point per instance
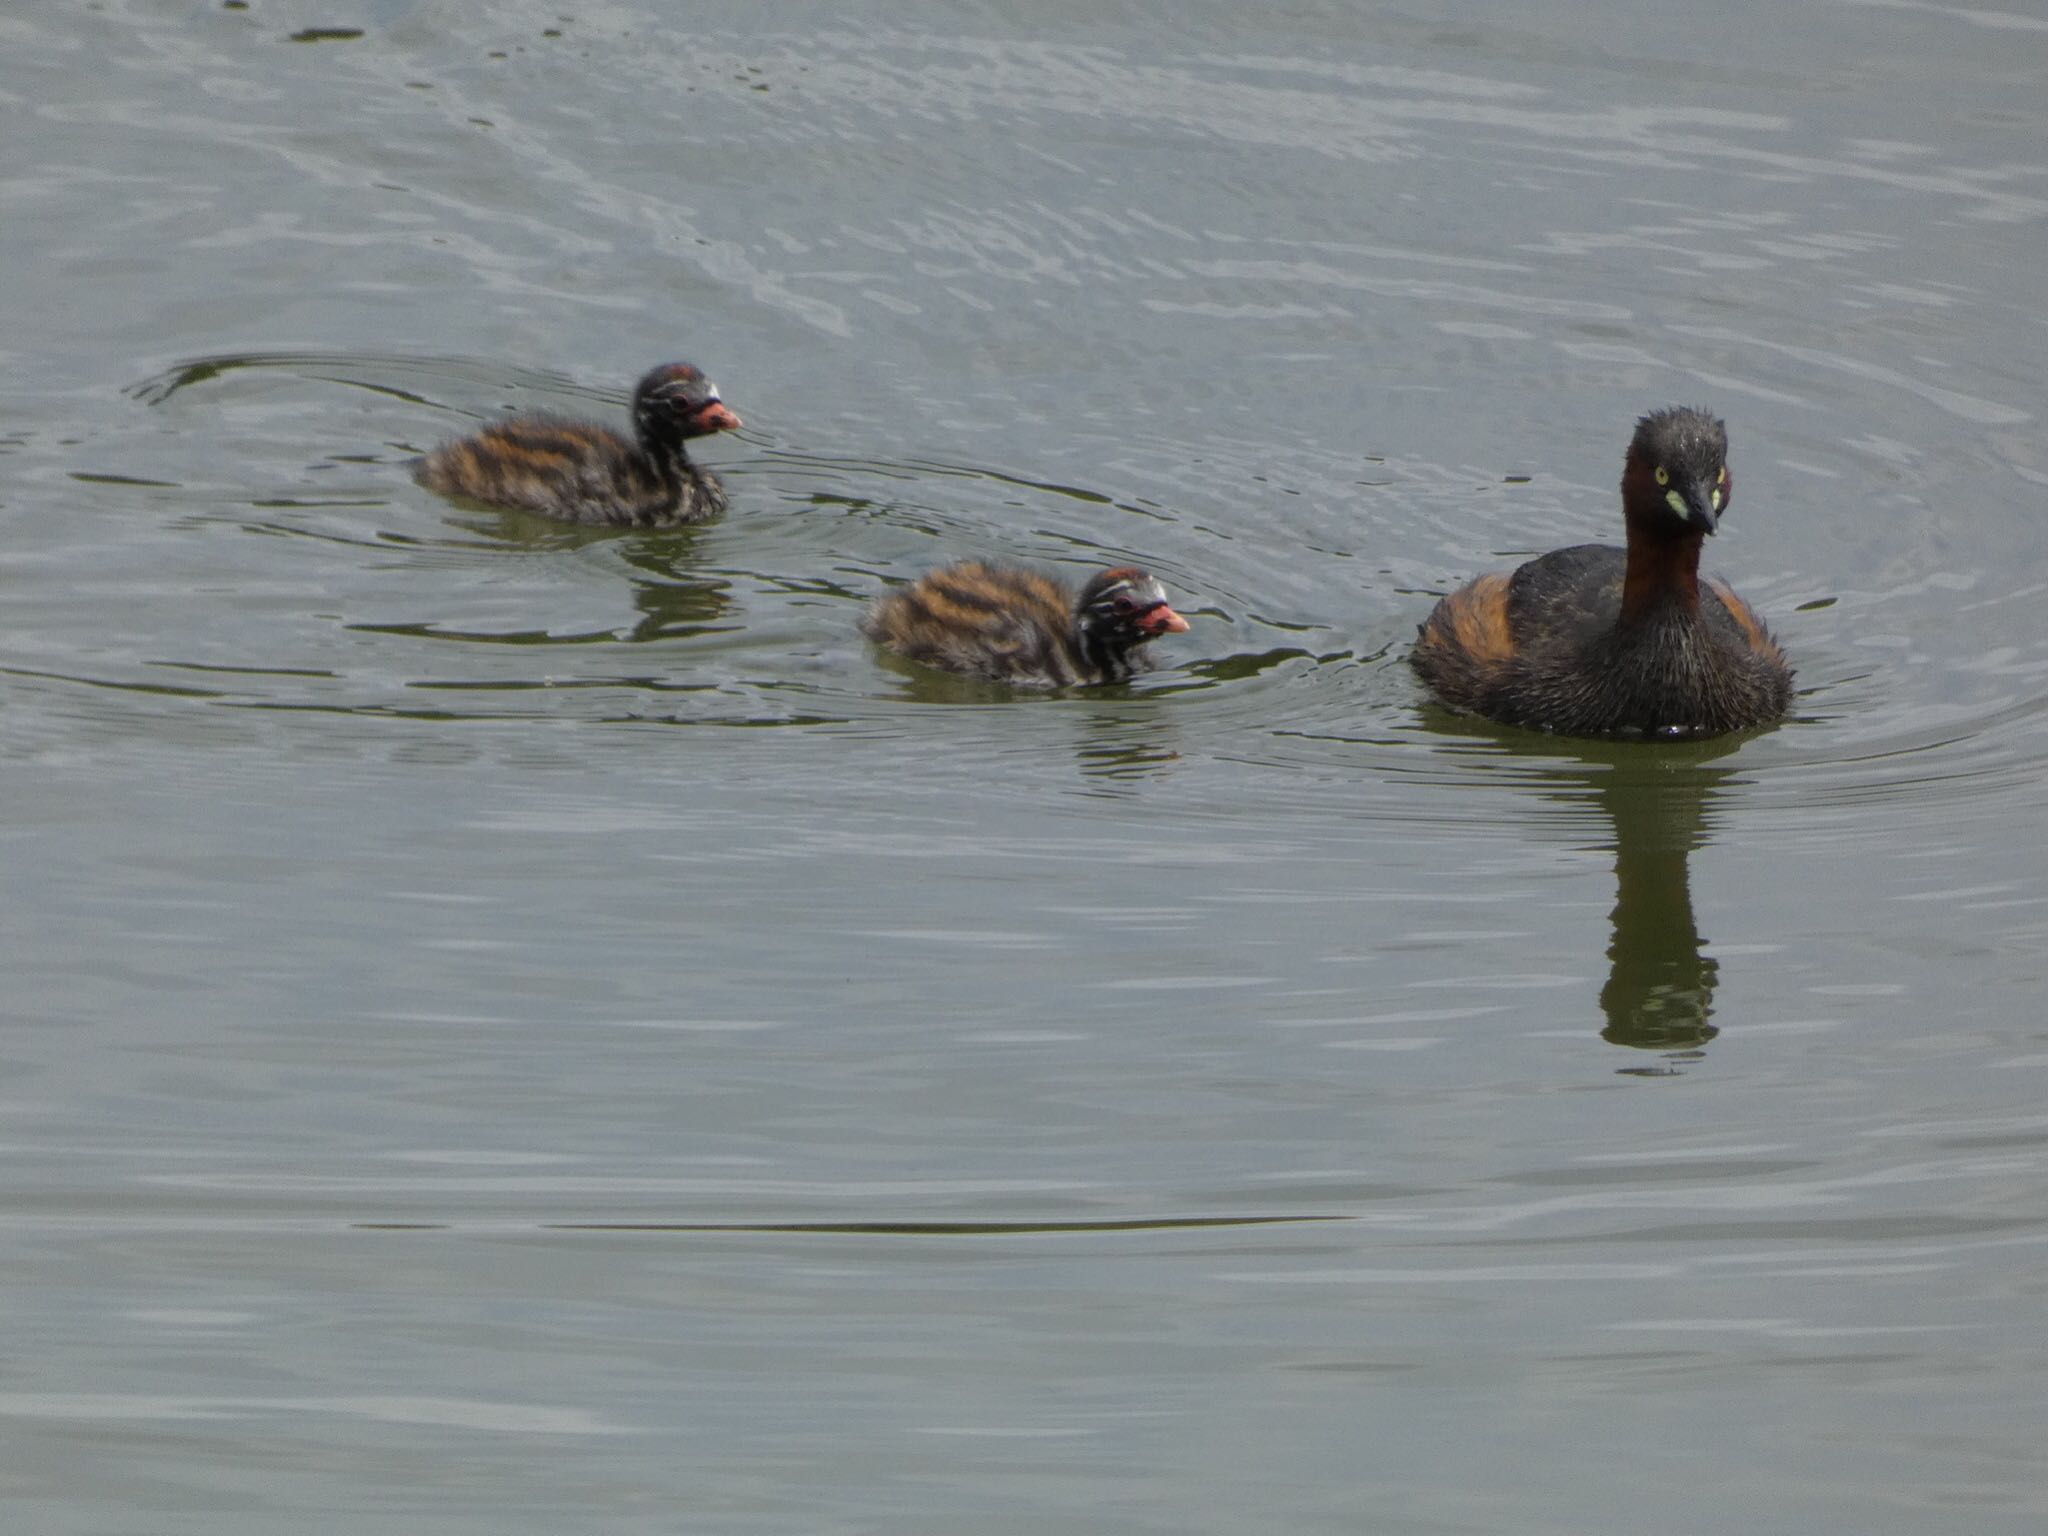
(714, 416)
(1161, 620)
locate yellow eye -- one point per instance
(1662, 478)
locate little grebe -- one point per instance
(584, 473)
(1598, 641)
(1016, 626)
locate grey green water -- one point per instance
(508, 1030)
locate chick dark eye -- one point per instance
(1123, 605)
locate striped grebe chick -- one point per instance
(1013, 625)
(584, 473)
(1598, 641)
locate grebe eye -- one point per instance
(1123, 605)
(1663, 478)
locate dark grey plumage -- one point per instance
(584, 473)
(1599, 641)
(1012, 625)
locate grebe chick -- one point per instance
(583, 473)
(1599, 641)
(1012, 625)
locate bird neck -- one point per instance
(1663, 572)
(671, 460)
(661, 440)
(1111, 663)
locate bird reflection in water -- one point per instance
(1119, 748)
(676, 601)
(1659, 994)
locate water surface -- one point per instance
(514, 1029)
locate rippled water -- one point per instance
(512, 1028)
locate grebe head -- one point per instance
(676, 401)
(1677, 471)
(1122, 608)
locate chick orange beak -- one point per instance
(715, 417)
(1163, 621)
